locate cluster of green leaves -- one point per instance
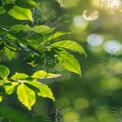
(42, 41)
(49, 42)
(26, 87)
(19, 9)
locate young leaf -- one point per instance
(19, 27)
(69, 45)
(39, 74)
(4, 71)
(45, 91)
(55, 35)
(69, 62)
(10, 88)
(1, 98)
(42, 29)
(20, 13)
(32, 43)
(10, 54)
(26, 96)
(42, 74)
(19, 76)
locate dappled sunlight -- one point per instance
(112, 84)
(113, 47)
(81, 103)
(71, 116)
(79, 24)
(94, 40)
(103, 114)
(90, 15)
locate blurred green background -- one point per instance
(97, 95)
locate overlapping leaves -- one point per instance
(26, 87)
(39, 41)
(50, 41)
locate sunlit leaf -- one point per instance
(69, 45)
(39, 74)
(42, 74)
(20, 13)
(26, 96)
(55, 35)
(42, 29)
(4, 71)
(33, 43)
(69, 62)
(19, 76)
(1, 98)
(10, 54)
(45, 91)
(10, 88)
(51, 75)
(19, 27)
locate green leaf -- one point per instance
(2, 10)
(42, 74)
(20, 13)
(1, 98)
(69, 45)
(26, 3)
(4, 71)
(42, 29)
(11, 87)
(2, 90)
(55, 35)
(26, 96)
(19, 27)
(10, 54)
(33, 43)
(45, 91)
(19, 76)
(39, 74)
(69, 62)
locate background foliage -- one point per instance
(94, 24)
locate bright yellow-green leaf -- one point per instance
(39, 74)
(42, 29)
(20, 13)
(26, 96)
(69, 62)
(51, 75)
(55, 35)
(45, 91)
(42, 74)
(4, 71)
(19, 76)
(69, 45)
(1, 98)
(19, 27)
(10, 88)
